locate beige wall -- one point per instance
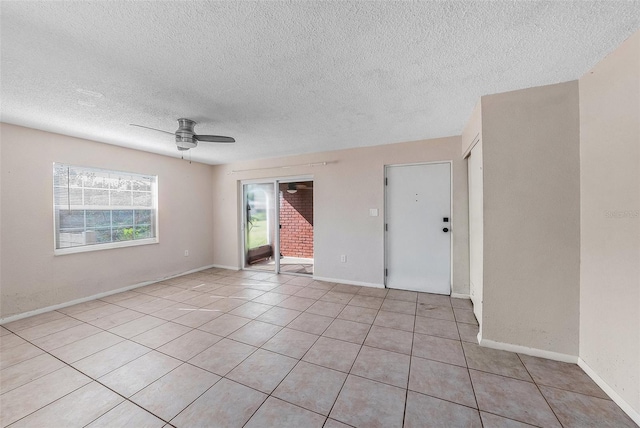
(530, 141)
(610, 221)
(33, 278)
(344, 191)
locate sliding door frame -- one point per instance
(243, 216)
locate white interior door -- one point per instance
(418, 227)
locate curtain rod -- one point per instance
(235, 171)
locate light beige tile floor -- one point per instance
(239, 348)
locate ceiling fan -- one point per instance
(186, 138)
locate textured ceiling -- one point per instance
(286, 78)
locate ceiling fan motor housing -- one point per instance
(185, 133)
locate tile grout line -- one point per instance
(257, 348)
(107, 387)
(82, 386)
(354, 361)
(224, 377)
(90, 377)
(473, 390)
(539, 390)
(128, 398)
(281, 328)
(288, 373)
(406, 395)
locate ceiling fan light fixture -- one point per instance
(185, 142)
(292, 188)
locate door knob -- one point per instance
(446, 229)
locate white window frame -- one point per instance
(107, 245)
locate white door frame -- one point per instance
(243, 215)
(451, 228)
(476, 275)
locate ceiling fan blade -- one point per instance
(214, 139)
(154, 129)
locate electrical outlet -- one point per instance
(186, 253)
(343, 259)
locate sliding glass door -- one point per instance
(259, 222)
(277, 225)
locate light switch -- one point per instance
(373, 212)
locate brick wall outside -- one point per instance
(296, 219)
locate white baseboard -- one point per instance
(374, 285)
(93, 297)
(236, 268)
(345, 281)
(626, 407)
(534, 352)
(460, 296)
(184, 273)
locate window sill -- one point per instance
(108, 246)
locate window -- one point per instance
(98, 209)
